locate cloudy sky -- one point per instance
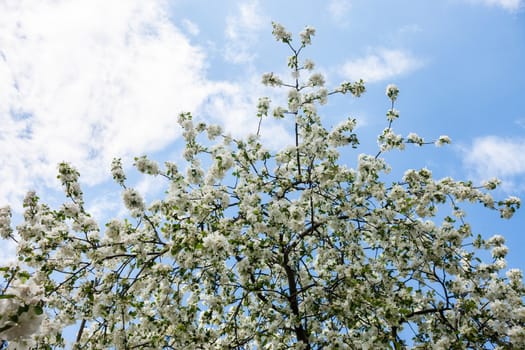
(86, 81)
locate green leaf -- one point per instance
(7, 296)
(38, 310)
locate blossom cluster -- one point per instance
(5, 222)
(21, 312)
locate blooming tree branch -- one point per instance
(258, 249)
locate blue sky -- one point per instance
(86, 81)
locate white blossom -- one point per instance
(263, 106)
(491, 184)
(316, 79)
(442, 140)
(390, 140)
(21, 315)
(270, 79)
(278, 112)
(214, 131)
(515, 275)
(117, 172)
(392, 114)
(147, 166)
(113, 229)
(309, 64)
(71, 209)
(499, 252)
(294, 100)
(496, 241)
(322, 96)
(415, 138)
(392, 92)
(306, 35)
(133, 200)
(5, 222)
(280, 33)
(215, 242)
(517, 336)
(27, 324)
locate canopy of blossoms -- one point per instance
(252, 248)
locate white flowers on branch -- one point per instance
(442, 140)
(280, 33)
(256, 249)
(270, 79)
(147, 166)
(392, 91)
(306, 35)
(21, 312)
(133, 201)
(5, 222)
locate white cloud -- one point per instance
(107, 205)
(241, 32)
(520, 122)
(338, 9)
(380, 65)
(493, 156)
(409, 29)
(151, 187)
(84, 81)
(191, 27)
(8, 252)
(509, 5)
(235, 108)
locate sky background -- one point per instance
(86, 81)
